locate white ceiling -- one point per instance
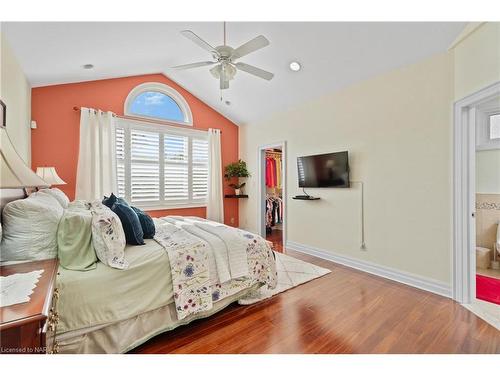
(333, 55)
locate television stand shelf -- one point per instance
(305, 198)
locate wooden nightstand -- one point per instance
(27, 327)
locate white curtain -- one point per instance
(96, 173)
(215, 205)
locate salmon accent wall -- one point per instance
(56, 139)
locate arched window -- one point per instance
(158, 101)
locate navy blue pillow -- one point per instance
(147, 224)
(130, 223)
(109, 202)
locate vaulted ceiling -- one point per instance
(332, 55)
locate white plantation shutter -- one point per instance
(200, 168)
(144, 166)
(159, 166)
(176, 167)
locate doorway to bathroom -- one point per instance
(487, 200)
(272, 192)
(476, 208)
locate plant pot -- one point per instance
(237, 191)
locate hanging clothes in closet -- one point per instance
(274, 180)
(273, 170)
(274, 212)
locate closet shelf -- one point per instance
(236, 196)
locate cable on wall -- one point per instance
(363, 244)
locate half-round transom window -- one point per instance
(158, 101)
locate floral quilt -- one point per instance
(190, 256)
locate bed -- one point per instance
(109, 310)
(135, 304)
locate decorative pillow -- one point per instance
(147, 224)
(109, 202)
(74, 239)
(108, 238)
(30, 228)
(130, 222)
(59, 195)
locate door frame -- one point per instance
(464, 165)
(261, 163)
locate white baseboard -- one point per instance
(430, 285)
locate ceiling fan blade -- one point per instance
(196, 39)
(194, 65)
(255, 71)
(250, 46)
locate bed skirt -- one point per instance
(123, 336)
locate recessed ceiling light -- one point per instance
(295, 66)
(88, 66)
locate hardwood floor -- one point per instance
(346, 311)
(276, 237)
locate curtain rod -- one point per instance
(78, 109)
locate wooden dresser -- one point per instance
(29, 327)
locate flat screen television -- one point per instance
(325, 170)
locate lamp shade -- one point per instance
(14, 173)
(50, 176)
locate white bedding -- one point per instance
(106, 295)
(198, 248)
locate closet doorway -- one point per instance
(272, 213)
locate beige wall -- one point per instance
(397, 128)
(488, 172)
(15, 92)
(477, 60)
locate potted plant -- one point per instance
(236, 170)
(237, 187)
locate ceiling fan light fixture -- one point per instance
(215, 71)
(229, 72)
(228, 69)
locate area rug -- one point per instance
(291, 272)
(488, 289)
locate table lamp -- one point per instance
(50, 176)
(14, 173)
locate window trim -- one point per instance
(483, 140)
(162, 129)
(166, 90)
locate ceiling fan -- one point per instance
(225, 58)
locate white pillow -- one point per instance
(108, 237)
(59, 195)
(30, 228)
